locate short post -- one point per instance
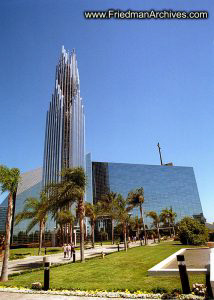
(47, 263)
(141, 243)
(118, 247)
(183, 274)
(74, 256)
(45, 250)
(208, 284)
(101, 244)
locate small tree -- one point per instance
(35, 210)
(168, 216)
(123, 215)
(70, 190)
(107, 205)
(92, 211)
(135, 224)
(65, 218)
(192, 232)
(172, 216)
(156, 221)
(136, 199)
(9, 179)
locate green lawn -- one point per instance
(23, 252)
(117, 271)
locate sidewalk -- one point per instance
(21, 296)
(33, 262)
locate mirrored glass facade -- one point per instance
(65, 121)
(29, 186)
(164, 186)
(3, 214)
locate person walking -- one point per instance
(67, 252)
(64, 249)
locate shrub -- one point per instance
(159, 290)
(192, 232)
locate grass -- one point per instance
(24, 252)
(117, 271)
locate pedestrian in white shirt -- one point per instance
(64, 249)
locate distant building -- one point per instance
(65, 121)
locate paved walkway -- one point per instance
(21, 296)
(32, 262)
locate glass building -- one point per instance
(65, 121)
(3, 214)
(30, 186)
(164, 186)
(64, 137)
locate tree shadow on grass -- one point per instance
(27, 266)
(19, 255)
(54, 251)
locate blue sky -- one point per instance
(143, 82)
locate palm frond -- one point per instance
(23, 216)
(33, 223)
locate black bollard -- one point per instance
(47, 264)
(183, 274)
(118, 247)
(74, 256)
(45, 250)
(208, 284)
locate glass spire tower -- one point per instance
(65, 121)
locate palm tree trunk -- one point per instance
(170, 232)
(71, 232)
(124, 236)
(158, 233)
(138, 234)
(112, 231)
(81, 214)
(40, 237)
(173, 228)
(144, 228)
(92, 233)
(66, 226)
(61, 235)
(4, 272)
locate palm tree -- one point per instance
(9, 179)
(156, 221)
(172, 216)
(136, 224)
(92, 211)
(168, 218)
(123, 215)
(108, 206)
(69, 190)
(36, 210)
(136, 198)
(65, 218)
